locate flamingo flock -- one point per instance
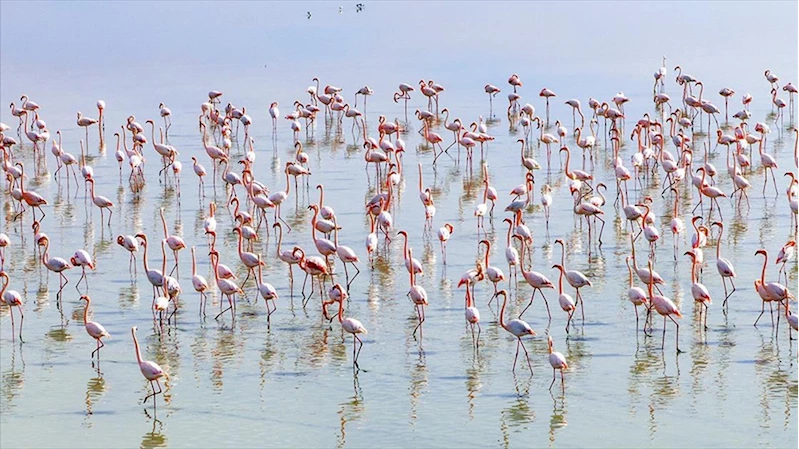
(668, 165)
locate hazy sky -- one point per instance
(90, 48)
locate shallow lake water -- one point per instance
(238, 383)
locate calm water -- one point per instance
(242, 385)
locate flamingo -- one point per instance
(150, 370)
(665, 307)
(351, 326)
(699, 292)
(82, 259)
(12, 298)
(174, 242)
(346, 255)
(492, 92)
(444, 234)
(198, 282)
(636, 295)
(32, 199)
(564, 299)
(268, 292)
(536, 280)
(546, 93)
(287, 256)
(517, 328)
(85, 123)
(313, 266)
(55, 264)
(771, 291)
(226, 286)
(575, 278)
(418, 296)
(786, 253)
(472, 316)
(792, 320)
(494, 274)
(130, 243)
(101, 202)
(94, 329)
(724, 266)
(558, 362)
(155, 277)
(411, 264)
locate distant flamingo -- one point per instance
(558, 362)
(150, 370)
(472, 316)
(444, 234)
(418, 295)
(636, 295)
(94, 329)
(268, 292)
(12, 298)
(353, 327)
(724, 266)
(55, 264)
(517, 328)
(198, 282)
(101, 202)
(699, 292)
(564, 299)
(665, 307)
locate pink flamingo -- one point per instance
(150, 370)
(517, 328)
(558, 362)
(12, 298)
(94, 329)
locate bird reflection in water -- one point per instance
(13, 377)
(349, 411)
(155, 437)
(226, 348)
(518, 413)
(558, 418)
(418, 375)
(473, 386)
(95, 389)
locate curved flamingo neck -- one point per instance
(313, 223)
(86, 311)
(763, 272)
(501, 311)
(193, 263)
(630, 271)
(341, 307)
(279, 239)
(718, 243)
(5, 285)
(136, 343)
(163, 221)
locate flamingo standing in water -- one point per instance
(55, 264)
(418, 295)
(101, 202)
(150, 370)
(636, 295)
(724, 266)
(472, 315)
(558, 362)
(516, 327)
(12, 298)
(268, 292)
(198, 282)
(564, 299)
(698, 290)
(665, 307)
(351, 326)
(94, 329)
